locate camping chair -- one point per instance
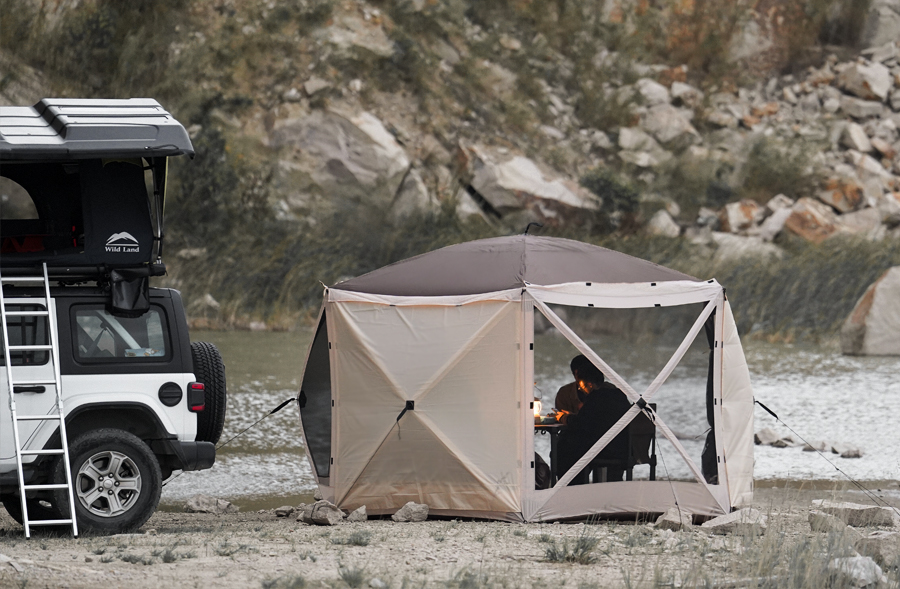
(641, 450)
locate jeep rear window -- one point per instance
(25, 331)
(101, 336)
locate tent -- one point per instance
(418, 384)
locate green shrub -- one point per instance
(618, 194)
(578, 551)
(774, 167)
(357, 538)
(352, 575)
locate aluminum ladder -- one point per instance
(53, 348)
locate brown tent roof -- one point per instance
(500, 263)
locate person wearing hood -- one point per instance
(602, 405)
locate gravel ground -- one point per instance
(257, 549)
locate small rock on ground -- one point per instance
(674, 519)
(207, 504)
(819, 521)
(738, 522)
(284, 511)
(855, 514)
(411, 512)
(766, 437)
(325, 513)
(860, 571)
(882, 546)
(358, 515)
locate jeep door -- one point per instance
(29, 365)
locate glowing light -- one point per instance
(537, 407)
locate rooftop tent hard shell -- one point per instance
(419, 380)
(84, 166)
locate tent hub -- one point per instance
(439, 340)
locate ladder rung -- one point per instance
(29, 348)
(50, 452)
(45, 487)
(27, 313)
(23, 383)
(22, 279)
(35, 417)
(48, 522)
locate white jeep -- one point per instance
(82, 184)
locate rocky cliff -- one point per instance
(336, 136)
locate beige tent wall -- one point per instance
(459, 448)
(466, 447)
(624, 497)
(736, 429)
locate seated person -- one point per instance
(567, 402)
(602, 406)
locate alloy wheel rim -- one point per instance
(108, 483)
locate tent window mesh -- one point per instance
(316, 416)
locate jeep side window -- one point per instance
(103, 336)
(25, 331)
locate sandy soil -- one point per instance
(258, 549)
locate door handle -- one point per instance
(30, 389)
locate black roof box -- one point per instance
(83, 128)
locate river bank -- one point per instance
(258, 549)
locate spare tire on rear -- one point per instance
(210, 370)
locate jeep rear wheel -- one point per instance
(116, 478)
(210, 370)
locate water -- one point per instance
(821, 394)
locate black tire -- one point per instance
(92, 454)
(210, 370)
(38, 509)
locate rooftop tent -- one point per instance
(419, 381)
(91, 174)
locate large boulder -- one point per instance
(412, 197)
(653, 92)
(871, 81)
(854, 137)
(519, 191)
(843, 194)
(882, 24)
(856, 514)
(774, 223)
(662, 223)
(864, 222)
(812, 220)
(731, 247)
(861, 109)
(873, 328)
(670, 126)
(741, 215)
(337, 156)
(351, 32)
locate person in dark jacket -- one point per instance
(603, 405)
(567, 400)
